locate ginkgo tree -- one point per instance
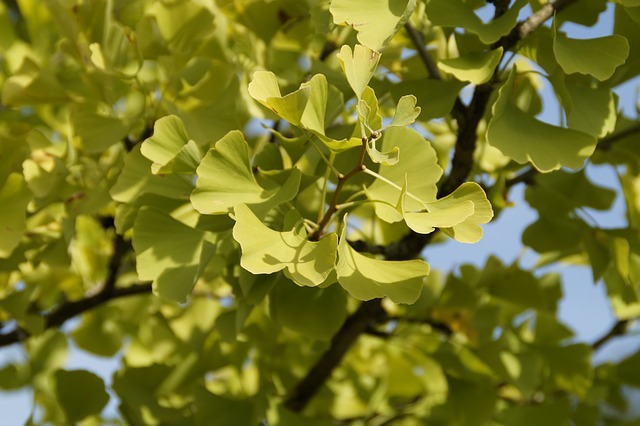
(231, 197)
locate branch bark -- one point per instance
(410, 246)
(67, 310)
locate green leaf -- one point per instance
(593, 110)
(366, 278)
(525, 139)
(136, 179)
(434, 97)
(264, 89)
(406, 112)
(300, 308)
(469, 230)
(377, 22)
(420, 166)
(475, 67)
(313, 117)
(459, 13)
(265, 251)
(170, 148)
(388, 158)
(598, 57)
(96, 132)
(359, 66)
(99, 332)
(569, 366)
(15, 196)
(225, 180)
(215, 410)
(169, 253)
(80, 394)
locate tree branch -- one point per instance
(67, 310)
(607, 142)
(411, 245)
(366, 314)
(418, 43)
(618, 329)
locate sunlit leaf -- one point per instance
(406, 112)
(376, 23)
(419, 165)
(170, 148)
(264, 89)
(359, 66)
(476, 67)
(366, 278)
(265, 251)
(225, 180)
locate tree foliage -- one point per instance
(232, 197)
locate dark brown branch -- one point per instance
(607, 142)
(411, 246)
(618, 329)
(366, 314)
(418, 43)
(67, 310)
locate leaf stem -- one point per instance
(359, 167)
(387, 181)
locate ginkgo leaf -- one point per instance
(225, 179)
(425, 222)
(377, 22)
(475, 67)
(598, 57)
(313, 116)
(265, 251)
(136, 179)
(459, 13)
(79, 405)
(420, 167)
(406, 112)
(170, 148)
(366, 278)
(434, 97)
(14, 196)
(469, 230)
(264, 89)
(593, 110)
(359, 66)
(169, 253)
(525, 139)
(388, 158)
(96, 132)
(299, 308)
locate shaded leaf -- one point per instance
(359, 66)
(80, 394)
(525, 139)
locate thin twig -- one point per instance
(618, 329)
(607, 142)
(418, 43)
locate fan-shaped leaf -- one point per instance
(475, 67)
(359, 66)
(265, 251)
(366, 278)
